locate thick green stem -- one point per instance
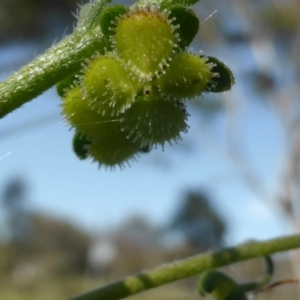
(189, 267)
(56, 64)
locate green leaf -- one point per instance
(224, 79)
(188, 24)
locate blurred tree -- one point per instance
(102, 255)
(50, 242)
(54, 245)
(138, 244)
(15, 202)
(199, 223)
(63, 246)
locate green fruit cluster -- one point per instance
(133, 96)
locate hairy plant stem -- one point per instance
(189, 267)
(58, 63)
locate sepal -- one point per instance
(223, 81)
(80, 145)
(108, 19)
(186, 22)
(63, 86)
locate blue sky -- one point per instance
(97, 199)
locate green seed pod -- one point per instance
(108, 18)
(220, 286)
(106, 86)
(224, 81)
(186, 77)
(154, 121)
(186, 22)
(113, 150)
(98, 136)
(145, 39)
(87, 121)
(80, 145)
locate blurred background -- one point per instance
(67, 225)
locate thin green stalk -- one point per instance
(189, 267)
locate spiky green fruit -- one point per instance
(186, 77)
(151, 120)
(79, 114)
(106, 86)
(145, 39)
(131, 98)
(113, 150)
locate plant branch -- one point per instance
(58, 63)
(189, 267)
